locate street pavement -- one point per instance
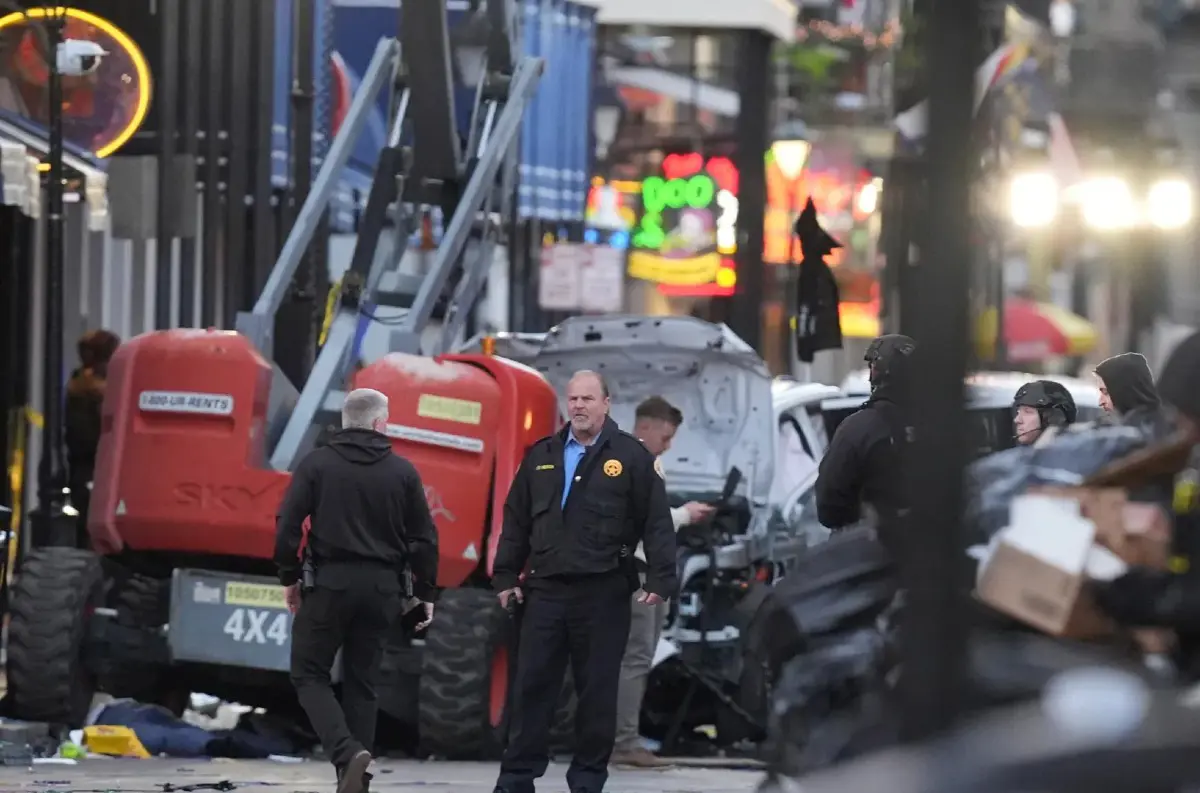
(102, 775)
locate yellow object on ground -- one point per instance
(114, 741)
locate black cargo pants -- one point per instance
(584, 621)
(351, 612)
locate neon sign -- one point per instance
(102, 110)
(686, 235)
(659, 195)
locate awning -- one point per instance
(704, 96)
(776, 18)
(22, 147)
(1035, 331)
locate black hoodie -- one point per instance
(367, 507)
(862, 463)
(1129, 382)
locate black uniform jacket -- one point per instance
(368, 510)
(862, 465)
(617, 500)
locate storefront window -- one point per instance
(670, 85)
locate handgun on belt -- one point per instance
(308, 573)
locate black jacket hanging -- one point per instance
(818, 324)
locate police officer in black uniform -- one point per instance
(863, 462)
(580, 503)
(1038, 406)
(371, 542)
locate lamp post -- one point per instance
(54, 509)
(790, 157)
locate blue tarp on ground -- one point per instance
(161, 732)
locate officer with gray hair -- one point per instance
(372, 546)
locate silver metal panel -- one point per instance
(74, 324)
(229, 620)
(95, 252)
(37, 361)
(134, 180)
(140, 305)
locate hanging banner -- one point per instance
(602, 279)
(559, 278)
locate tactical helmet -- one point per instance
(883, 353)
(1054, 403)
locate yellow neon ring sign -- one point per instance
(140, 65)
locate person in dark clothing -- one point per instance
(818, 321)
(1126, 384)
(862, 464)
(1039, 405)
(82, 420)
(1129, 396)
(1146, 597)
(372, 544)
(581, 502)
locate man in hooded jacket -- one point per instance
(1147, 597)
(1128, 394)
(1127, 387)
(370, 531)
(863, 462)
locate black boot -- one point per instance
(353, 777)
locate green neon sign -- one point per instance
(660, 195)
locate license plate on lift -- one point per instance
(229, 620)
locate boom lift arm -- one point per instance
(422, 162)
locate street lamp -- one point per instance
(606, 120)
(1107, 204)
(1033, 200)
(55, 513)
(1169, 204)
(790, 157)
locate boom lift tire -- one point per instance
(48, 680)
(141, 602)
(468, 634)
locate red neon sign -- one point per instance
(694, 198)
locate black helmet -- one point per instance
(1054, 403)
(886, 355)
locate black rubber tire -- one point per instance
(454, 695)
(48, 680)
(141, 602)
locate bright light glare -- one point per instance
(1107, 204)
(1033, 200)
(868, 197)
(1169, 204)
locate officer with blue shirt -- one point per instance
(581, 502)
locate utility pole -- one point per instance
(47, 522)
(935, 629)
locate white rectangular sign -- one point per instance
(433, 438)
(186, 402)
(602, 280)
(558, 277)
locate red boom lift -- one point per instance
(200, 430)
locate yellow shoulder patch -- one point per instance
(658, 468)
